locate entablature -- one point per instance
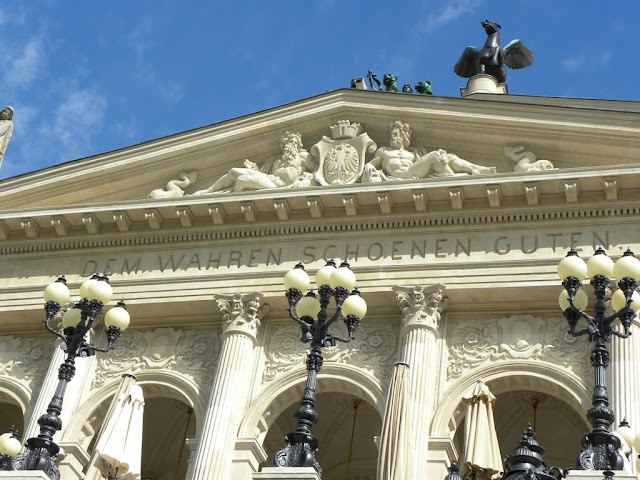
(525, 196)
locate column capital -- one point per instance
(241, 313)
(421, 305)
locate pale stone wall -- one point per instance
(491, 241)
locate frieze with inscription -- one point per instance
(193, 353)
(374, 349)
(473, 344)
(425, 247)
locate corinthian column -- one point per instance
(47, 390)
(624, 384)
(421, 308)
(241, 316)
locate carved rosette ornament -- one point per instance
(241, 313)
(342, 156)
(421, 305)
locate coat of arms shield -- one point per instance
(341, 158)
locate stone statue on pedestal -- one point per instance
(6, 129)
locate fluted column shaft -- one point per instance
(231, 384)
(48, 388)
(85, 368)
(421, 308)
(624, 379)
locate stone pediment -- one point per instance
(345, 138)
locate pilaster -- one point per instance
(248, 456)
(241, 317)
(192, 445)
(441, 452)
(73, 462)
(421, 308)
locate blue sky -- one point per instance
(87, 77)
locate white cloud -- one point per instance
(23, 119)
(573, 63)
(583, 62)
(23, 68)
(126, 129)
(138, 38)
(449, 12)
(171, 92)
(16, 16)
(75, 121)
(605, 57)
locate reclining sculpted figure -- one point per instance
(291, 169)
(399, 161)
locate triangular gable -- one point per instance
(570, 133)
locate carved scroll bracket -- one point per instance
(421, 306)
(241, 313)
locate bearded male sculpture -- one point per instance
(291, 169)
(400, 161)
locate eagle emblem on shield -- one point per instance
(341, 158)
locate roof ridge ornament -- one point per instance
(390, 82)
(491, 59)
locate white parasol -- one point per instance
(482, 457)
(395, 445)
(119, 448)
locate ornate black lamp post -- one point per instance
(76, 322)
(311, 315)
(600, 447)
(9, 447)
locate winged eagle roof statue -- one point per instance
(492, 58)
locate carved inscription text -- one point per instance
(414, 248)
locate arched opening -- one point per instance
(334, 430)
(12, 415)
(559, 425)
(168, 421)
(167, 424)
(14, 401)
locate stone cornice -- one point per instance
(540, 196)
